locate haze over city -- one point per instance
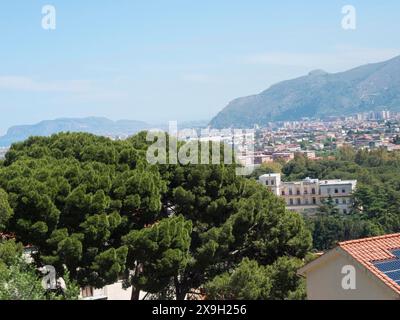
(177, 60)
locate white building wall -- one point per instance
(307, 195)
(113, 291)
(324, 282)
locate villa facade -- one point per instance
(307, 195)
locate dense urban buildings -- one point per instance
(362, 131)
(314, 138)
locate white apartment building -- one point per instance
(307, 195)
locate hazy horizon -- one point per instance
(154, 61)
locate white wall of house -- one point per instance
(272, 181)
(113, 291)
(116, 292)
(324, 282)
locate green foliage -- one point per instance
(5, 210)
(74, 196)
(286, 284)
(328, 207)
(251, 281)
(9, 253)
(327, 231)
(19, 280)
(159, 253)
(97, 207)
(273, 167)
(376, 200)
(242, 220)
(110, 264)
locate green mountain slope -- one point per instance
(369, 87)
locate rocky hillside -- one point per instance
(319, 94)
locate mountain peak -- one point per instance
(318, 72)
(318, 95)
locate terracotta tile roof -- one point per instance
(370, 250)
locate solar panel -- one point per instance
(394, 275)
(391, 268)
(388, 265)
(396, 253)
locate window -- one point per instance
(299, 201)
(343, 190)
(290, 191)
(313, 191)
(336, 190)
(305, 191)
(266, 182)
(314, 200)
(337, 201)
(291, 202)
(344, 201)
(329, 190)
(298, 192)
(272, 182)
(306, 201)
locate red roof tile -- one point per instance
(370, 250)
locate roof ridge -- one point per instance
(344, 243)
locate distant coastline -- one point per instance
(120, 129)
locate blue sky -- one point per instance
(174, 60)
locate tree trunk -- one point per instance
(181, 295)
(135, 293)
(180, 291)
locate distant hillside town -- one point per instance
(317, 138)
(276, 141)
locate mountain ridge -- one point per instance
(367, 87)
(94, 125)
